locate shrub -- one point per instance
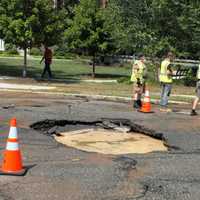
(11, 49)
(35, 51)
(126, 80)
(190, 79)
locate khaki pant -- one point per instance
(138, 90)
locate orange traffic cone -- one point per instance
(146, 104)
(12, 161)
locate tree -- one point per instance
(48, 24)
(93, 30)
(190, 30)
(175, 26)
(26, 23)
(136, 15)
(157, 26)
(69, 6)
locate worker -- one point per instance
(196, 100)
(138, 77)
(166, 74)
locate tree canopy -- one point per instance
(93, 30)
(126, 27)
(28, 23)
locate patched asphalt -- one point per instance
(59, 172)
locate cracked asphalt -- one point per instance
(59, 172)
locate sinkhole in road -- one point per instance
(110, 141)
(105, 136)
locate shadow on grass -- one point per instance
(59, 76)
(10, 70)
(103, 75)
(78, 76)
(35, 73)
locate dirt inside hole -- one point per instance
(110, 141)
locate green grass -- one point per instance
(62, 69)
(65, 70)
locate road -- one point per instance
(59, 172)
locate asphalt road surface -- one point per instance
(58, 172)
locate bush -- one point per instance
(62, 51)
(35, 52)
(126, 80)
(190, 79)
(11, 49)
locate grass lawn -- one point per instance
(65, 70)
(62, 69)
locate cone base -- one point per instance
(11, 173)
(145, 111)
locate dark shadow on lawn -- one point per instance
(10, 70)
(35, 73)
(57, 80)
(58, 75)
(78, 76)
(106, 76)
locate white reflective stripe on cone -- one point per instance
(13, 146)
(147, 93)
(146, 99)
(12, 132)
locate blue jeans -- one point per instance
(165, 93)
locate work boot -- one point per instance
(193, 113)
(136, 105)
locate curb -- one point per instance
(117, 98)
(91, 97)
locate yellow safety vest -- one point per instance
(138, 72)
(164, 77)
(198, 73)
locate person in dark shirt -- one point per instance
(47, 57)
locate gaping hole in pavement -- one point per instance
(106, 136)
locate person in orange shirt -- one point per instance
(47, 57)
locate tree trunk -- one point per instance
(103, 3)
(93, 67)
(156, 63)
(25, 63)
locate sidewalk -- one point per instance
(11, 87)
(24, 87)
